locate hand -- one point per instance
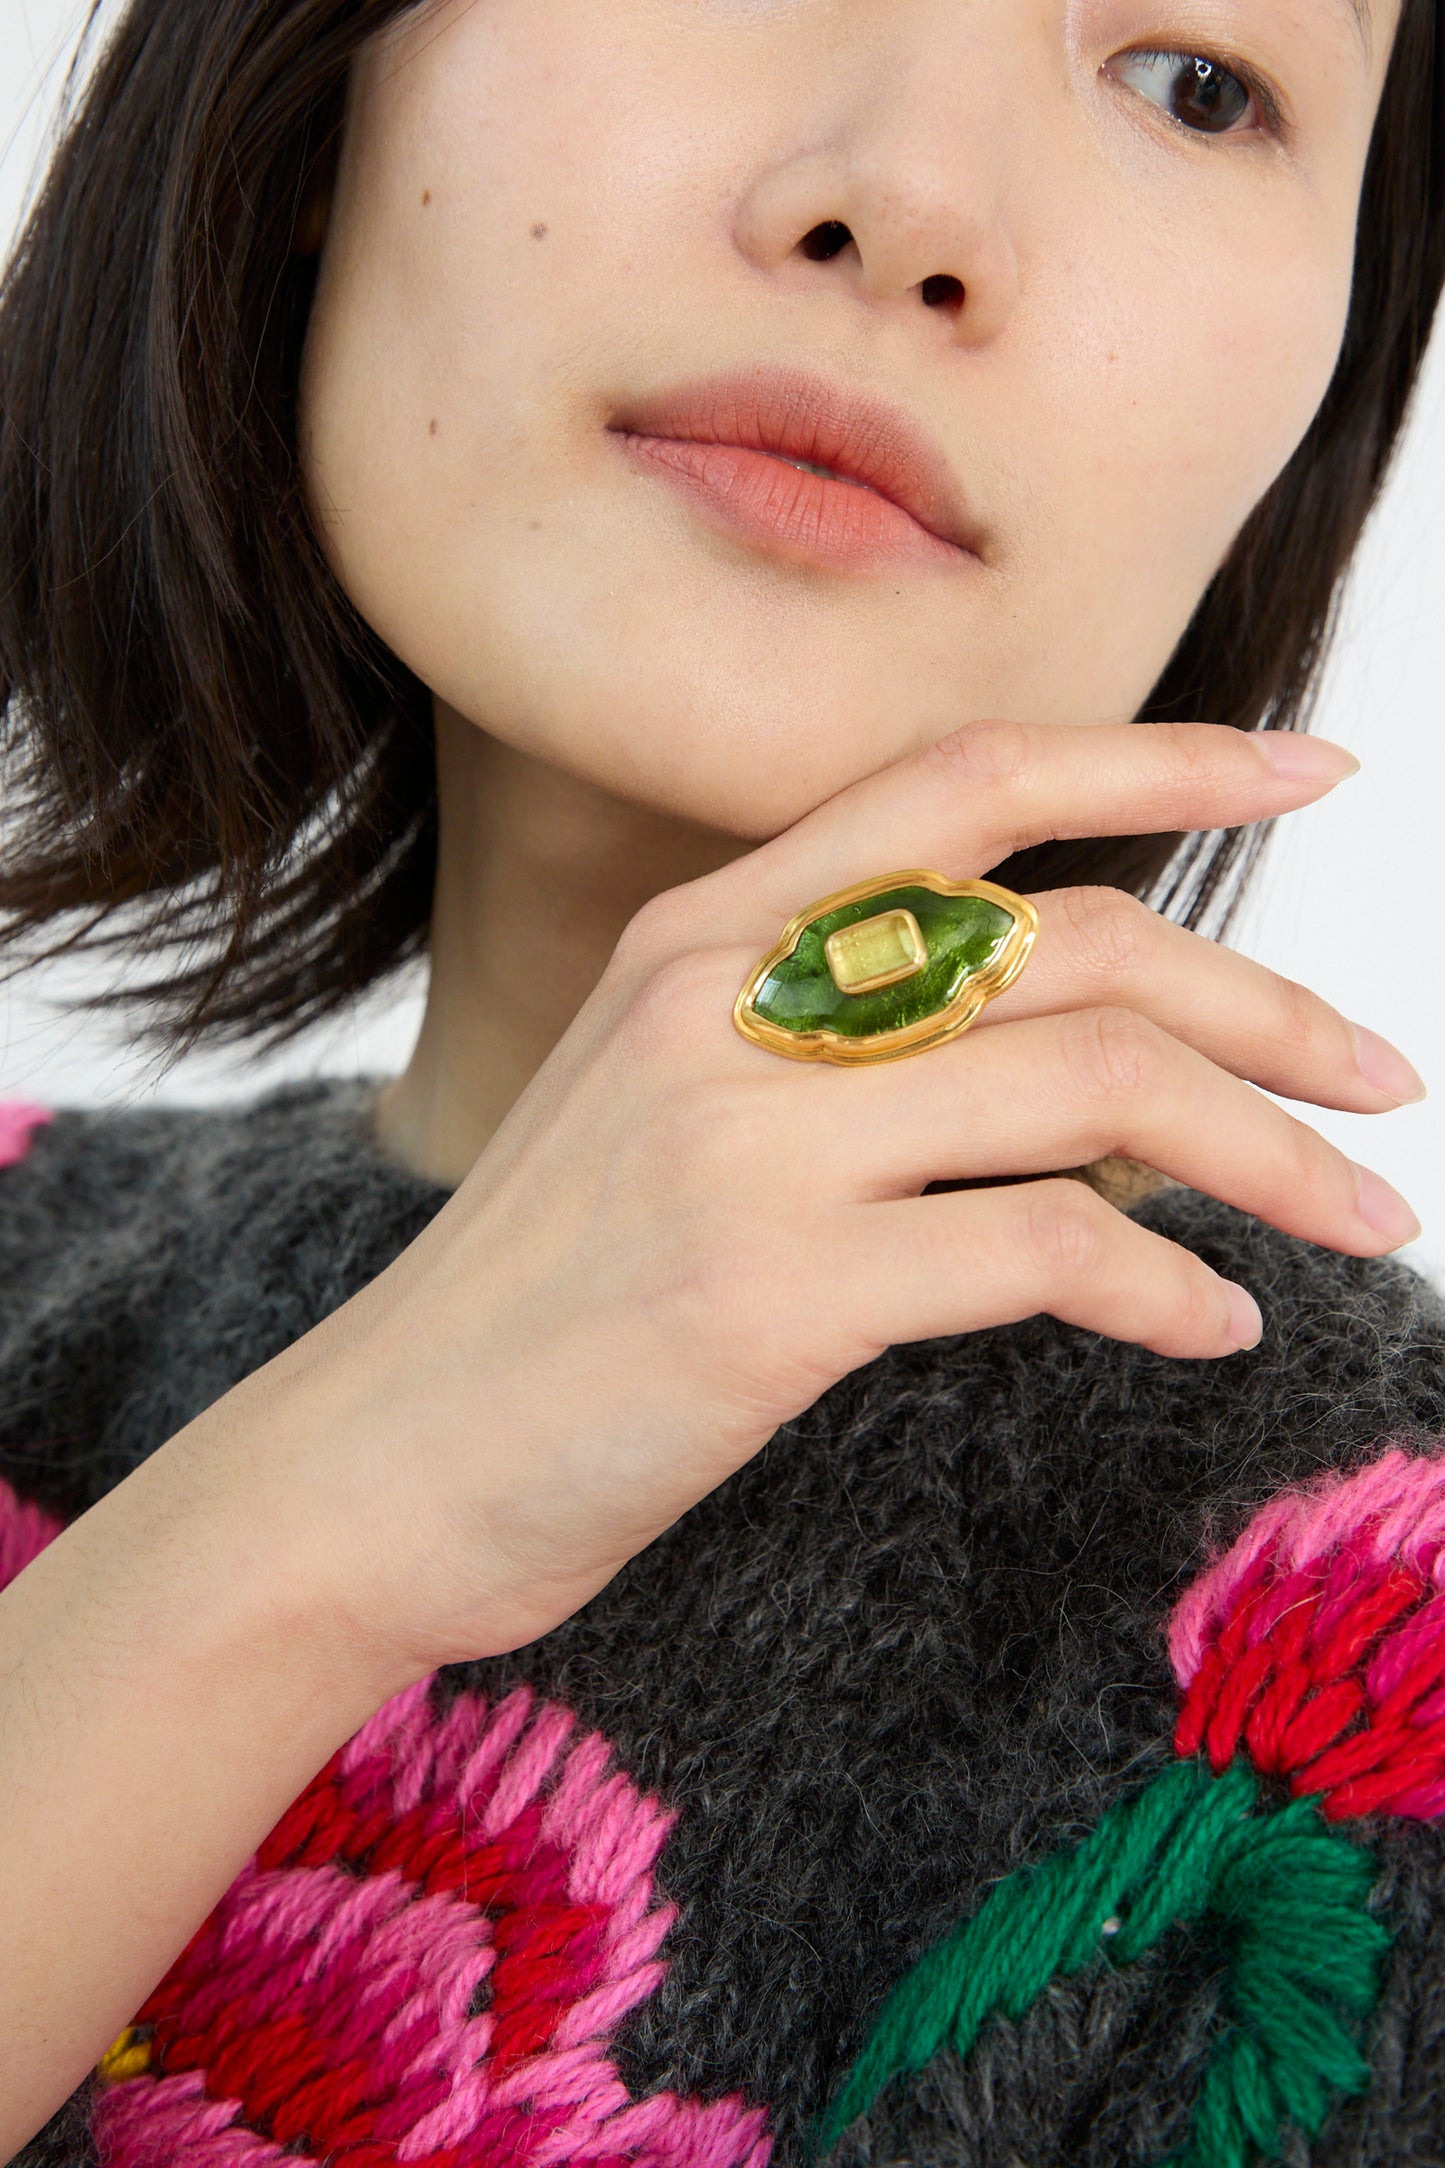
(677, 1240)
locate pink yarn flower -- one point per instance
(18, 1124)
(425, 1963)
(25, 1529)
(1316, 1644)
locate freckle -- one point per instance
(426, 195)
(432, 426)
(535, 525)
(539, 233)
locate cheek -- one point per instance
(1249, 385)
(1188, 383)
(470, 250)
(1203, 385)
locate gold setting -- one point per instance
(908, 1038)
(858, 955)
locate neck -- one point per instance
(537, 874)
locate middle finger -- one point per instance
(1098, 947)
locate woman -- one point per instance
(604, 1600)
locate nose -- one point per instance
(900, 175)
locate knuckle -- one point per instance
(1298, 1162)
(1190, 753)
(666, 1005)
(1110, 1053)
(1108, 929)
(710, 1120)
(1300, 1017)
(1306, 1164)
(1200, 1307)
(990, 750)
(1065, 1227)
(650, 934)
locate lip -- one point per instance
(725, 439)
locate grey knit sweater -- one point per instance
(901, 1668)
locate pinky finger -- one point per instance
(919, 1267)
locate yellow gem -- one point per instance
(875, 952)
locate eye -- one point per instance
(1199, 93)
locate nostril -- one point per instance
(942, 292)
(826, 241)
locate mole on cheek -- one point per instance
(539, 233)
(431, 427)
(426, 196)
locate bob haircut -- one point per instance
(204, 751)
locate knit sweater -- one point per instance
(1032, 1758)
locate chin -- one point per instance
(727, 783)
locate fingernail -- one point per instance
(1302, 759)
(1245, 1322)
(1385, 1209)
(1385, 1066)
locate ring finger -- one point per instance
(1055, 1091)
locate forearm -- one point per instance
(172, 1673)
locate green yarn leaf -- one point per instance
(1290, 1896)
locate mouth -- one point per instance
(805, 467)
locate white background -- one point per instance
(1349, 899)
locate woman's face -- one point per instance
(1082, 266)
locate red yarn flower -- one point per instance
(425, 1963)
(1317, 1643)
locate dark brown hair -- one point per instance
(204, 751)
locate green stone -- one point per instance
(964, 935)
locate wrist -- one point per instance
(414, 1539)
(173, 1672)
(228, 1529)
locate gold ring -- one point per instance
(886, 968)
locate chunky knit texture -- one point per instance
(914, 1648)
(1313, 1653)
(1287, 1900)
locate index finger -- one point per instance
(969, 801)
